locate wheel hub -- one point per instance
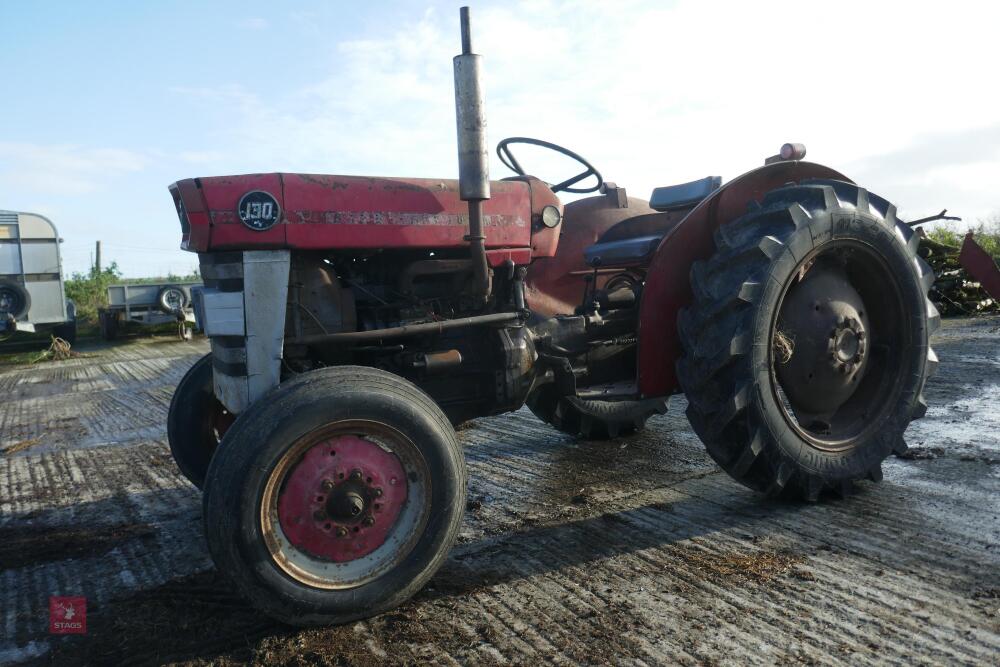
(824, 318)
(7, 300)
(342, 498)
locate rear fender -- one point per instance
(668, 286)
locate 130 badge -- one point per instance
(259, 210)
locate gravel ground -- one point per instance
(637, 551)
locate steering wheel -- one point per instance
(503, 152)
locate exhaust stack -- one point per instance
(473, 151)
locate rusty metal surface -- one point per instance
(635, 551)
(980, 266)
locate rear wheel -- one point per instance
(594, 420)
(806, 347)
(14, 299)
(336, 496)
(171, 299)
(196, 422)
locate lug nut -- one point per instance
(378, 492)
(341, 532)
(327, 485)
(356, 474)
(369, 521)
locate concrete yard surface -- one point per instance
(634, 551)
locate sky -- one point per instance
(106, 103)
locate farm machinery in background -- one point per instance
(32, 295)
(148, 304)
(968, 279)
(353, 321)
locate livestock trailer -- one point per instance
(32, 295)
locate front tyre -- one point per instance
(196, 422)
(335, 497)
(806, 347)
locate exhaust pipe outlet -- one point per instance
(473, 151)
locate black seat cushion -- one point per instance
(627, 252)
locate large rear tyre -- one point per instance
(593, 420)
(335, 497)
(806, 347)
(196, 422)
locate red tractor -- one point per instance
(354, 321)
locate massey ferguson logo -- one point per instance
(258, 210)
(67, 615)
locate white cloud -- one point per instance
(64, 169)
(654, 94)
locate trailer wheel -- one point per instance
(593, 420)
(806, 347)
(335, 497)
(171, 299)
(14, 299)
(196, 422)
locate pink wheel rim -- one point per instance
(341, 500)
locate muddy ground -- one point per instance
(638, 551)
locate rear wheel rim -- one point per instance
(10, 301)
(345, 504)
(859, 349)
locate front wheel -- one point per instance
(196, 421)
(335, 497)
(806, 347)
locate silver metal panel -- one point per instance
(35, 226)
(10, 259)
(39, 257)
(224, 314)
(265, 293)
(230, 355)
(231, 390)
(47, 302)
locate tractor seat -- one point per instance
(626, 252)
(633, 240)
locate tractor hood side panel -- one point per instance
(668, 285)
(324, 212)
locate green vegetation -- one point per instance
(987, 235)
